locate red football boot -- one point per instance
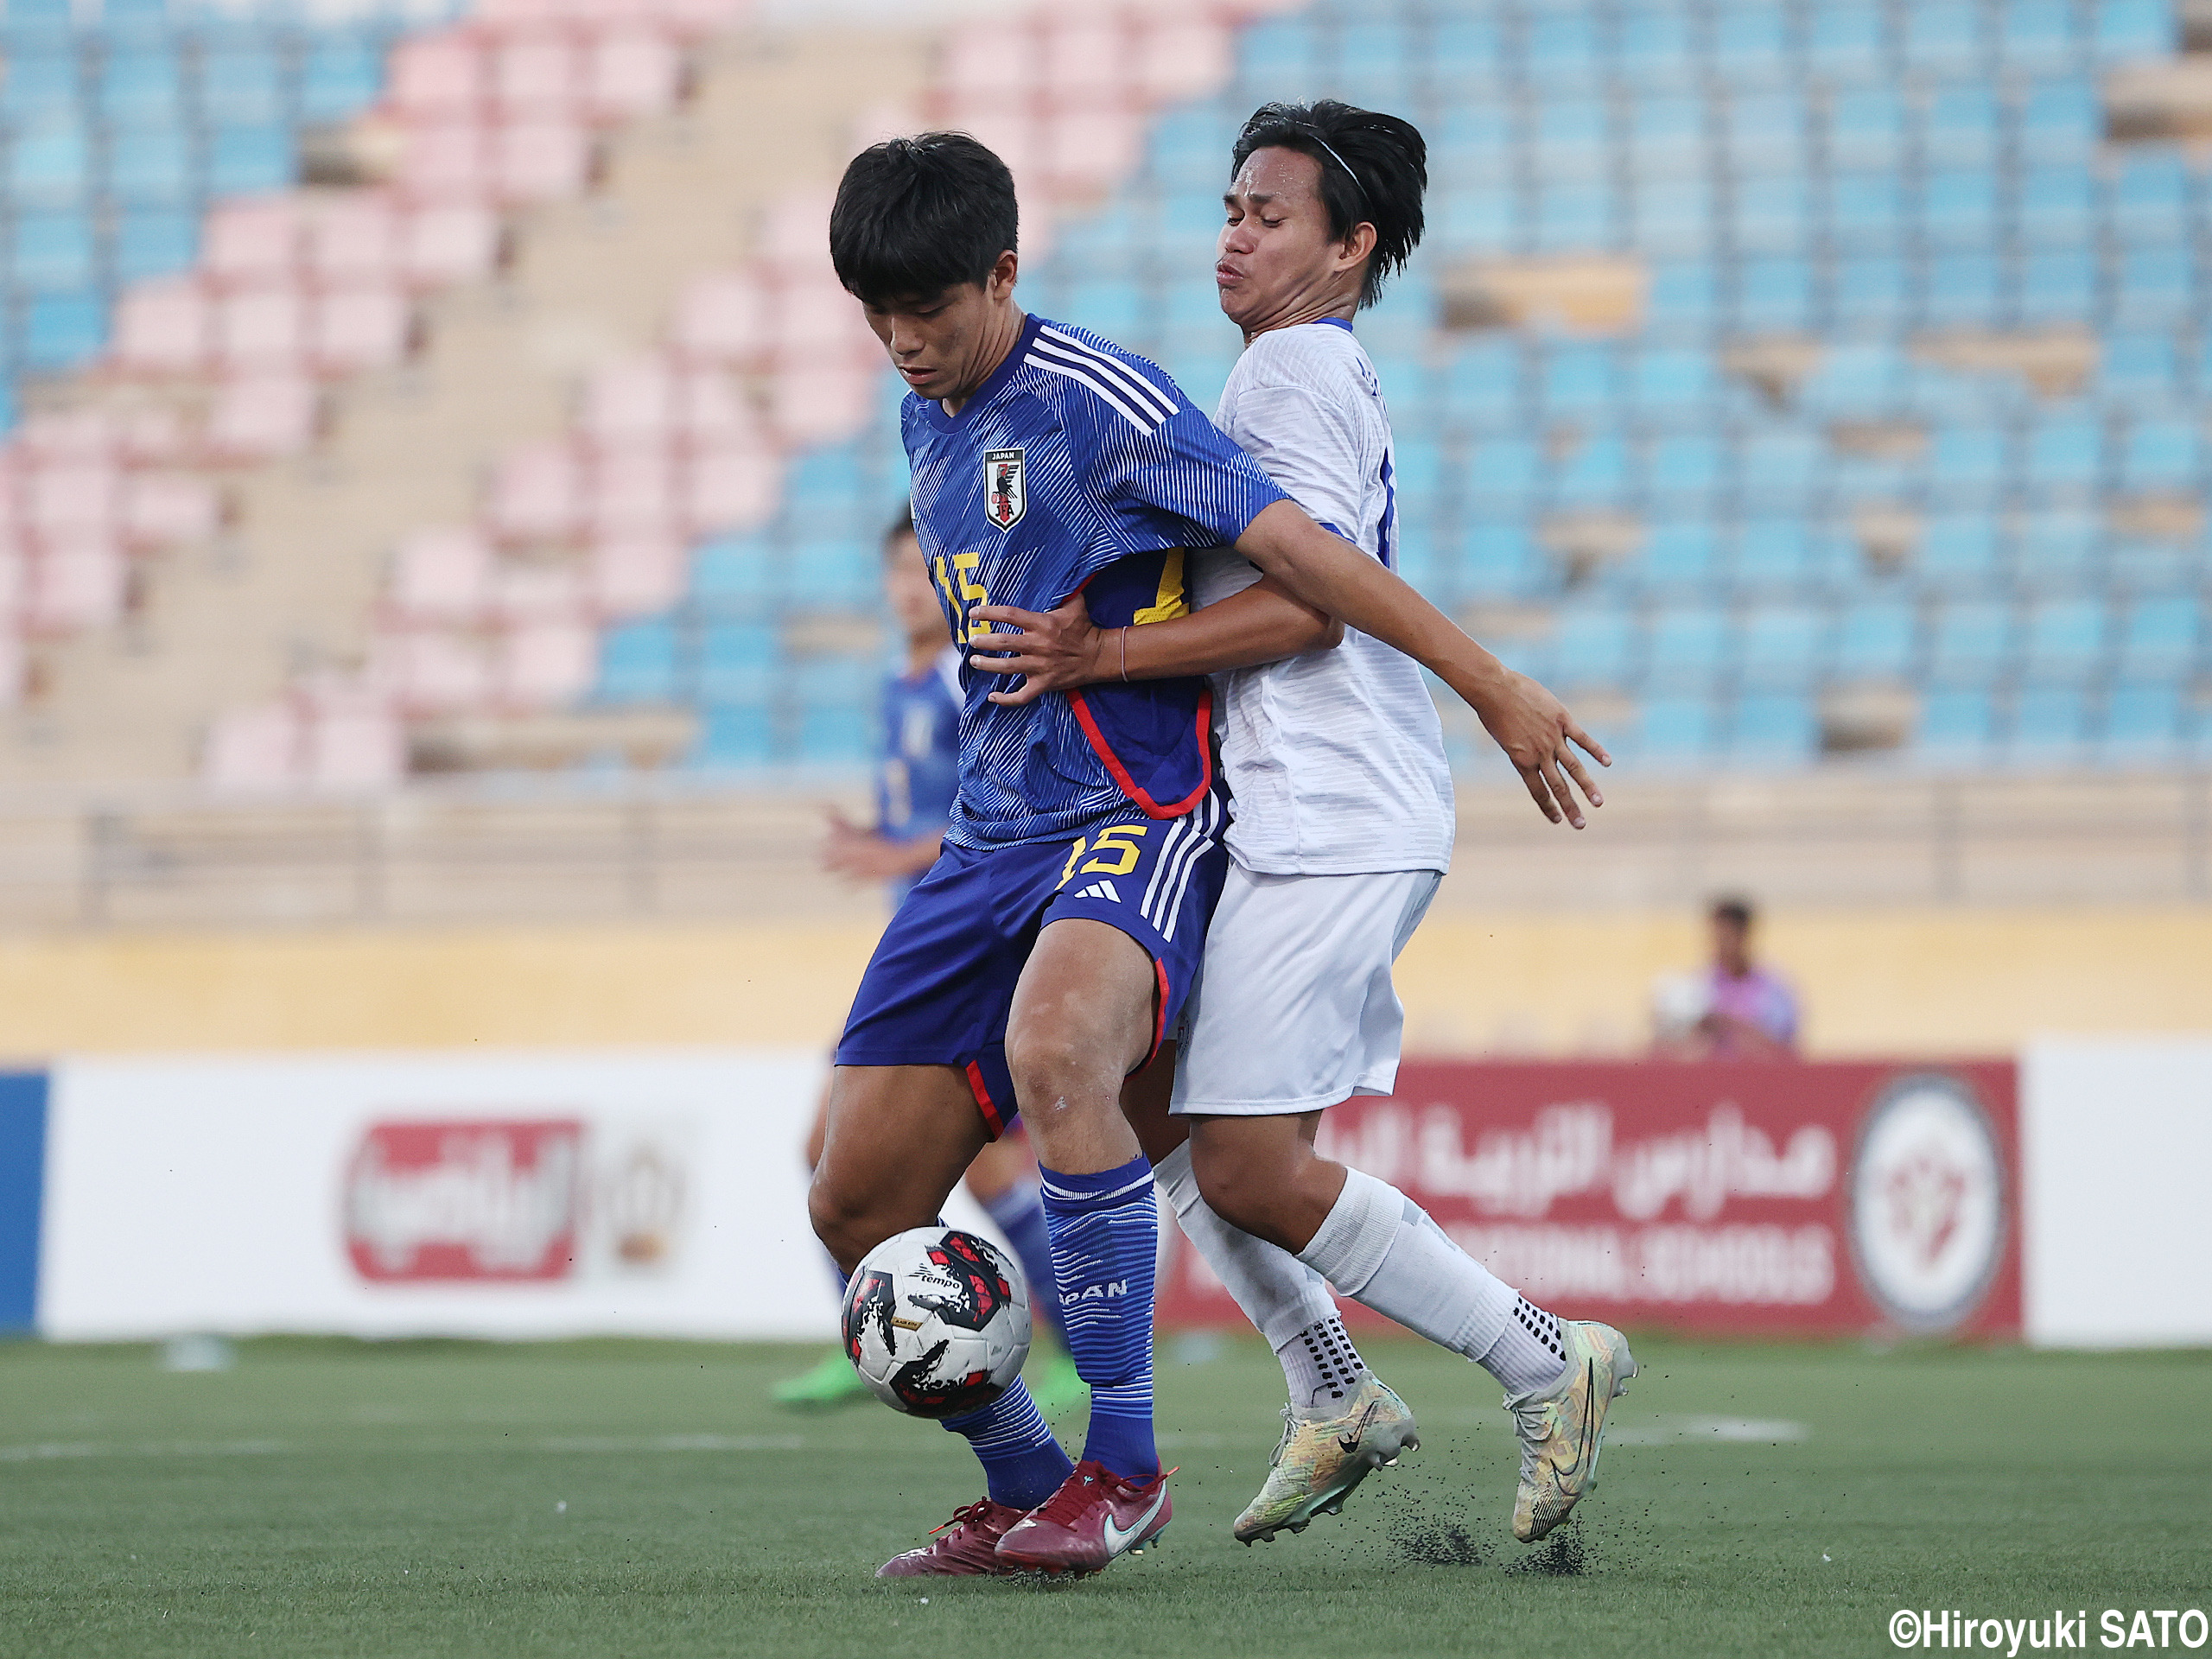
(1095, 1515)
(963, 1546)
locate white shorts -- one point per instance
(1294, 1010)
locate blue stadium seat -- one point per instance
(1677, 730)
(1772, 730)
(1593, 475)
(1772, 553)
(1559, 48)
(1765, 133)
(1653, 44)
(1500, 561)
(1279, 58)
(2152, 196)
(1783, 648)
(143, 83)
(2057, 205)
(2048, 721)
(1969, 642)
(2139, 367)
(2134, 28)
(1579, 379)
(154, 242)
(1779, 467)
(738, 662)
(2063, 451)
(242, 160)
(62, 330)
(2058, 284)
(1575, 215)
(2140, 719)
(1774, 294)
(1870, 290)
(1876, 640)
(1686, 648)
(1958, 209)
(1683, 469)
(2065, 641)
(1954, 723)
(1669, 381)
(1958, 551)
(1865, 213)
(736, 573)
(1967, 464)
(638, 663)
(2156, 286)
(2057, 549)
(2159, 638)
(1847, 42)
(736, 735)
(1961, 288)
(1768, 215)
(1681, 294)
(1750, 44)
(1943, 38)
(50, 163)
(41, 82)
(1592, 646)
(1666, 134)
(340, 77)
(53, 251)
(1573, 138)
(835, 736)
(2061, 120)
(1484, 382)
(2161, 455)
(2036, 36)
(151, 166)
(1462, 50)
(1854, 379)
(1866, 129)
(1673, 216)
(1502, 473)
(1676, 555)
(1479, 214)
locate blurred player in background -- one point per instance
(1736, 1009)
(1343, 830)
(915, 781)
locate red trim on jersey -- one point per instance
(992, 1120)
(1128, 786)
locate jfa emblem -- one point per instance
(1005, 488)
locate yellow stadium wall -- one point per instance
(1878, 983)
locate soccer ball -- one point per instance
(936, 1321)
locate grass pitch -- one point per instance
(636, 1499)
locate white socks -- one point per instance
(1323, 1369)
(1279, 1293)
(1380, 1248)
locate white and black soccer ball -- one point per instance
(936, 1321)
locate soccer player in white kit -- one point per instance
(1342, 830)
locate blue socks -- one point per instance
(1023, 1464)
(1105, 1232)
(1018, 1212)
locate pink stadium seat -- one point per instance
(989, 62)
(817, 324)
(256, 748)
(1082, 58)
(637, 575)
(501, 15)
(731, 487)
(150, 434)
(454, 242)
(1007, 128)
(446, 161)
(533, 594)
(68, 500)
(817, 406)
(258, 416)
(427, 670)
(165, 509)
(541, 160)
(630, 71)
(630, 402)
(535, 494)
(14, 669)
(1085, 150)
(77, 584)
(633, 492)
(536, 73)
(357, 744)
(709, 410)
(438, 75)
(548, 663)
(795, 233)
(1178, 58)
(443, 572)
(354, 239)
(358, 328)
(693, 18)
(723, 319)
(15, 588)
(251, 241)
(62, 435)
(261, 328)
(163, 328)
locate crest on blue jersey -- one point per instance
(1005, 488)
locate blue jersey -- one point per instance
(919, 771)
(1075, 466)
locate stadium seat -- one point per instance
(1782, 648)
(2065, 641)
(1676, 730)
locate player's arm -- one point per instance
(858, 853)
(1531, 725)
(1058, 650)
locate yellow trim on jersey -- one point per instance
(1170, 602)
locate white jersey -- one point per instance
(1335, 758)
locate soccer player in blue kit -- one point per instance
(1057, 937)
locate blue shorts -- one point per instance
(937, 990)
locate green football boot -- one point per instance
(833, 1382)
(1058, 1388)
(1320, 1461)
(1561, 1428)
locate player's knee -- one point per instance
(1054, 1067)
(1238, 1187)
(843, 1219)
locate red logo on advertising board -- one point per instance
(465, 1200)
(1727, 1197)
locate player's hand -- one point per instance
(860, 855)
(1055, 650)
(1539, 737)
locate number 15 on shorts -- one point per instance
(1114, 851)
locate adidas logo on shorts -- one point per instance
(1099, 890)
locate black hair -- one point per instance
(898, 528)
(1736, 911)
(916, 216)
(1374, 170)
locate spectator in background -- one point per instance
(1734, 1010)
